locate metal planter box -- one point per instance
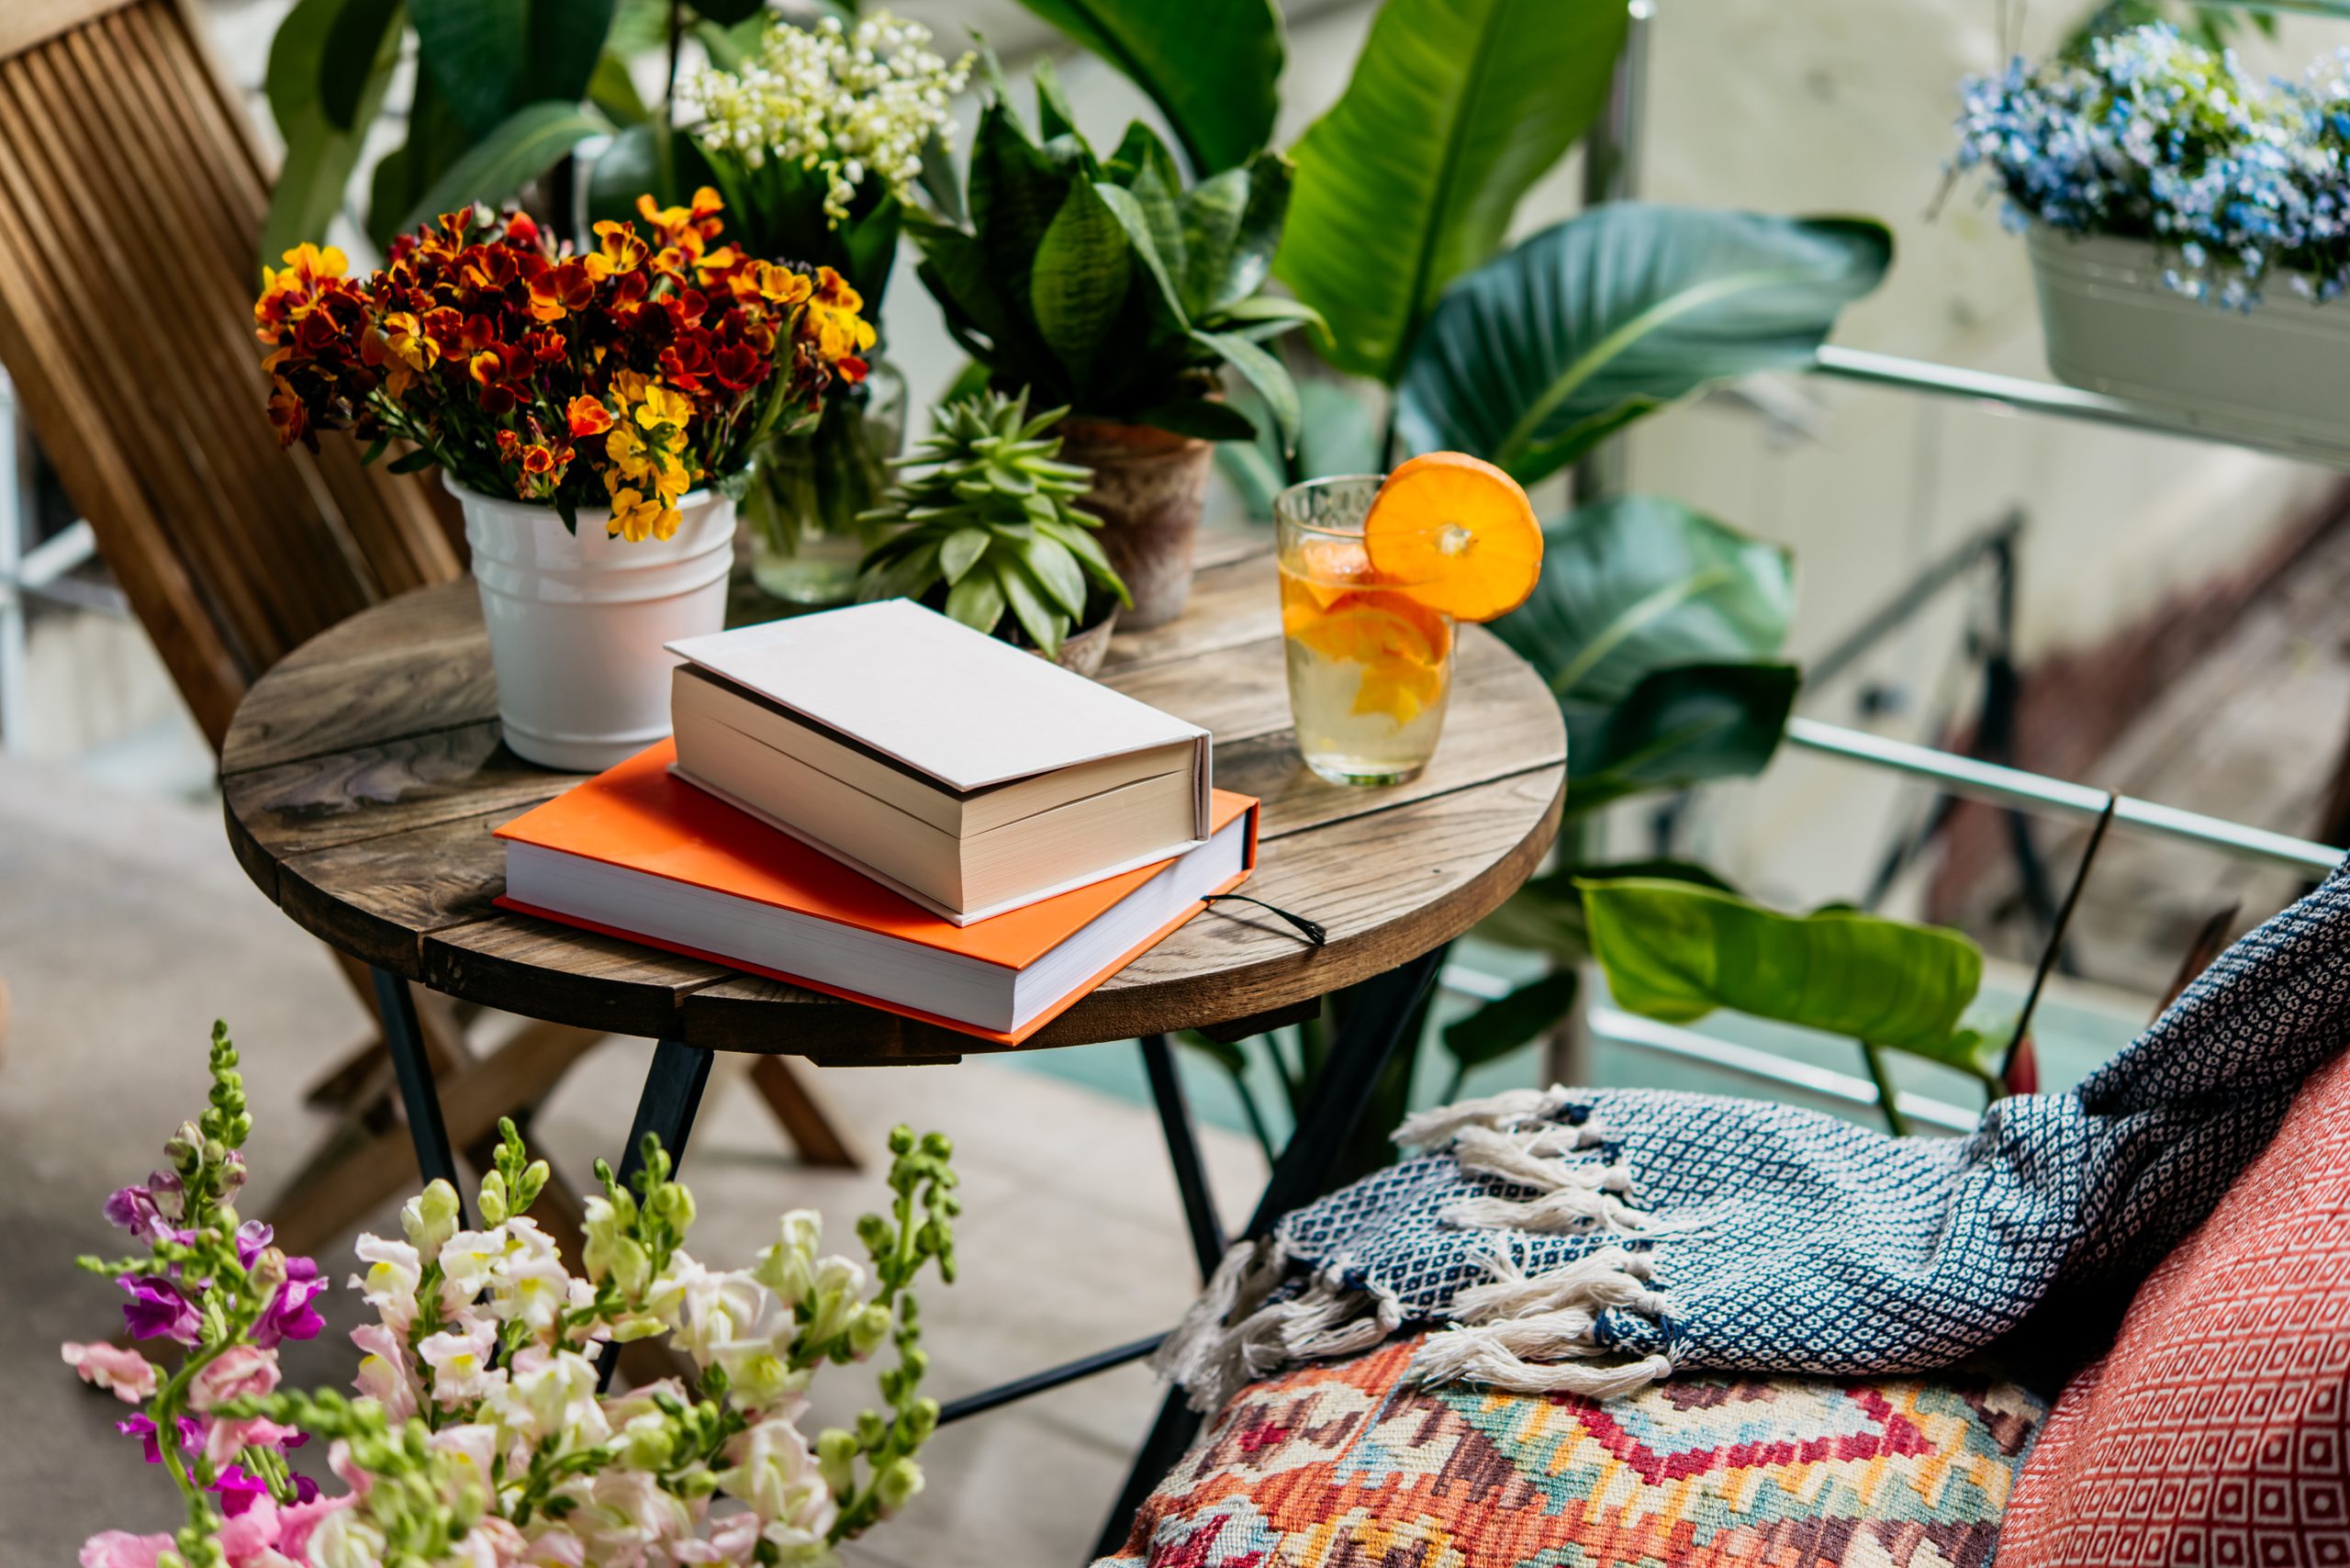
(2277, 375)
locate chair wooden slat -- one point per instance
(131, 199)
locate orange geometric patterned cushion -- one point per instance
(1334, 1466)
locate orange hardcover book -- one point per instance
(638, 853)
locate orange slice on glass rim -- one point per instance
(1456, 534)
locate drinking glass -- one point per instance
(1369, 666)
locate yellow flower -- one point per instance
(310, 262)
(636, 516)
(663, 406)
(631, 455)
(832, 314)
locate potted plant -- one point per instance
(481, 1433)
(594, 415)
(816, 140)
(989, 534)
(1110, 289)
(2183, 223)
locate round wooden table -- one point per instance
(363, 773)
(363, 776)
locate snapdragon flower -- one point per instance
(855, 104)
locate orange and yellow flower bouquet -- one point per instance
(613, 381)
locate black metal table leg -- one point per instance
(1183, 1153)
(1375, 1028)
(672, 1087)
(412, 1065)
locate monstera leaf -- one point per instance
(1675, 952)
(1659, 628)
(1455, 108)
(1536, 356)
(1212, 66)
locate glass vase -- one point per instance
(805, 493)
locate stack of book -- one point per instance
(882, 804)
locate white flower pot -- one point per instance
(576, 624)
(2278, 373)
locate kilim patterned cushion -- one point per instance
(2212, 1433)
(1334, 1466)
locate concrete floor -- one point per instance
(124, 928)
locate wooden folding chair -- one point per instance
(132, 193)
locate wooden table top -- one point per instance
(363, 776)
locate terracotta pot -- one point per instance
(1148, 488)
(1082, 651)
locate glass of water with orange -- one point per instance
(1375, 575)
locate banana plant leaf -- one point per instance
(1546, 915)
(1212, 66)
(522, 147)
(492, 57)
(1455, 108)
(1675, 952)
(329, 67)
(1538, 354)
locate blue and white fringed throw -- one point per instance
(1595, 1240)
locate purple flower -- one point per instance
(239, 1489)
(290, 1315)
(157, 1307)
(143, 1428)
(134, 1210)
(252, 1236)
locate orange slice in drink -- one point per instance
(1456, 534)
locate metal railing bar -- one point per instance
(1996, 785)
(2070, 402)
(1622, 1028)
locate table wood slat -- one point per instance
(363, 776)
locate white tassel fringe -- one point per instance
(1510, 1108)
(1533, 1334)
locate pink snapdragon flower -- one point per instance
(121, 1549)
(130, 1375)
(241, 1371)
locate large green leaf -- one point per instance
(1455, 108)
(1079, 280)
(1534, 357)
(320, 156)
(1504, 1023)
(1637, 582)
(491, 57)
(1212, 66)
(523, 146)
(1675, 952)
(348, 63)
(1678, 726)
(1545, 915)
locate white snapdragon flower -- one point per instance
(774, 1472)
(625, 1515)
(473, 1447)
(462, 1360)
(550, 1393)
(854, 105)
(384, 1373)
(345, 1540)
(788, 1268)
(430, 1218)
(468, 1258)
(394, 1270)
(839, 1295)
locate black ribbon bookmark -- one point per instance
(1311, 930)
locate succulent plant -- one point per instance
(991, 523)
